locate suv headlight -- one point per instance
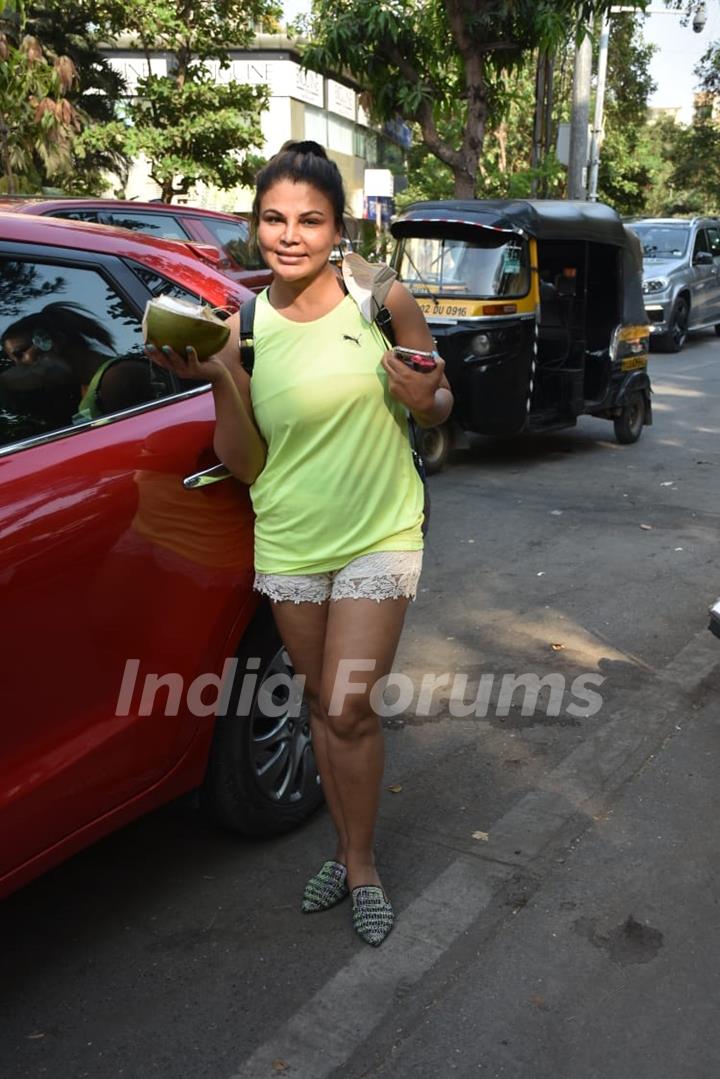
(655, 284)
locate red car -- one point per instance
(126, 566)
(220, 239)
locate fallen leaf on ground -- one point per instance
(279, 1065)
(396, 788)
(538, 1001)
(481, 835)
(557, 646)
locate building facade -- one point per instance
(302, 105)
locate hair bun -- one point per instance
(305, 146)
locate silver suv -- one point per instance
(681, 277)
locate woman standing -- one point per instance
(320, 434)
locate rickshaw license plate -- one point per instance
(444, 310)
(632, 363)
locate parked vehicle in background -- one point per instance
(681, 277)
(222, 240)
(537, 310)
(126, 557)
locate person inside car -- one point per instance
(55, 368)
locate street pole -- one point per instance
(597, 131)
(577, 169)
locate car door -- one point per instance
(112, 572)
(703, 280)
(713, 313)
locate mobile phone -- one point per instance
(416, 359)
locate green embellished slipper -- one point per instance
(373, 916)
(326, 888)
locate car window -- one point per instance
(162, 286)
(76, 215)
(701, 242)
(165, 225)
(663, 241)
(72, 350)
(714, 240)
(234, 241)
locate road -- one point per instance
(554, 873)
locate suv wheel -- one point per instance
(261, 778)
(676, 336)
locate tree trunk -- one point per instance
(168, 190)
(464, 184)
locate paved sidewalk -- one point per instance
(612, 969)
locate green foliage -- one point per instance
(629, 161)
(439, 63)
(37, 122)
(190, 127)
(77, 31)
(708, 70)
(694, 182)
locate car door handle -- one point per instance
(208, 475)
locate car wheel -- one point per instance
(676, 336)
(261, 778)
(434, 444)
(717, 328)
(629, 424)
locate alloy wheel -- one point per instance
(281, 750)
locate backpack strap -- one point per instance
(247, 339)
(383, 320)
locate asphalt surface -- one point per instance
(554, 873)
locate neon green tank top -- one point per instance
(339, 481)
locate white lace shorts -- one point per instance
(382, 575)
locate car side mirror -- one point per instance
(702, 258)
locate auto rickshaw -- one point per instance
(537, 310)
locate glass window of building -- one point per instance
(316, 125)
(341, 135)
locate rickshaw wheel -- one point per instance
(435, 444)
(629, 424)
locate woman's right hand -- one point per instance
(211, 370)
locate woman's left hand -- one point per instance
(414, 389)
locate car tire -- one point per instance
(676, 336)
(629, 424)
(434, 444)
(717, 328)
(261, 778)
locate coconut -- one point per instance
(179, 323)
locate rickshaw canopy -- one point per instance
(545, 220)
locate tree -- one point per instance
(628, 160)
(188, 125)
(37, 122)
(78, 31)
(433, 62)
